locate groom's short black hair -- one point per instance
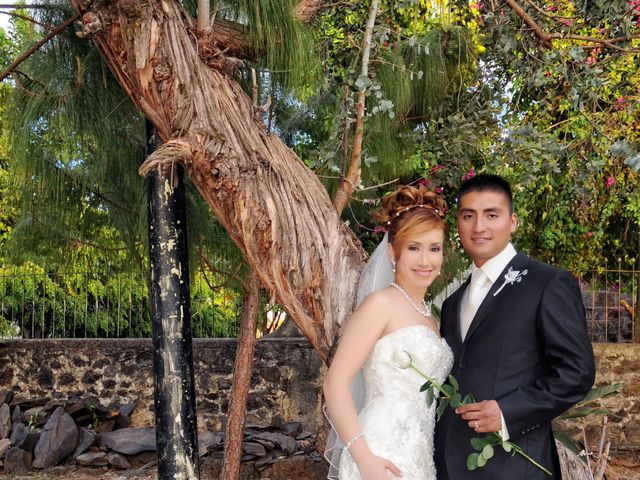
(486, 182)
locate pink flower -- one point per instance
(548, 74)
(439, 189)
(470, 174)
(564, 21)
(610, 182)
(589, 234)
(590, 60)
(379, 229)
(424, 182)
(435, 169)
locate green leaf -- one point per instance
(456, 400)
(481, 461)
(507, 447)
(444, 403)
(453, 382)
(601, 392)
(430, 397)
(448, 389)
(468, 399)
(478, 443)
(472, 461)
(567, 442)
(487, 452)
(581, 412)
(425, 386)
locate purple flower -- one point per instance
(610, 182)
(470, 174)
(439, 189)
(379, 229)
(436, 169)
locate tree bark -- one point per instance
(273, 207)
(572, 466)
(241, 379)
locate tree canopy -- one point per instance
(542, 92)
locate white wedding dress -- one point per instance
(396, 422)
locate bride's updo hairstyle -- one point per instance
(410, 211)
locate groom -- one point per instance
(518, 333)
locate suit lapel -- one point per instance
(519, 262)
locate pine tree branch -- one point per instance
(28, 19)
(37, 45)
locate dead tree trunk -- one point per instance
(270, 203)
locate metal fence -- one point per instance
(38, 304)
(611, 301)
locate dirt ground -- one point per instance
(616, 471)
(79, 473)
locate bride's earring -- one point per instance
(393, 267)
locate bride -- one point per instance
(391, 435)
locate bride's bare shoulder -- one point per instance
(380, 299)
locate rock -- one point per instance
(5, 443)
(36, 416)
(17, 461)
(208, 440)
(123, 420)
(16, 416)
(92, 459)
(58, 440)
(291, 428)
(285, 442)
(5, 421)
(31, 402)
(255, 449)
(29, 441)
(6, 396)
(129, 440)
(18, 433)
(118, 461)
(86, 438)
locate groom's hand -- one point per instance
(483, 417)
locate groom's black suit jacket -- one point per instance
(528, 349)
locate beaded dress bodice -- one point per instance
(395, 419)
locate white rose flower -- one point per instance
(402, 359)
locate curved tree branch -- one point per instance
(546, 38)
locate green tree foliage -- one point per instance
(454, 88)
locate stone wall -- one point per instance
(285, 382)
(615, 363)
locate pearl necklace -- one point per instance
(427, 307)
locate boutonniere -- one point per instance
(512, 276)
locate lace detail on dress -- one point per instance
(395, 419)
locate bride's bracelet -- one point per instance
(353, 440)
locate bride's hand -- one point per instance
(377, 468)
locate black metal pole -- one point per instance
(176, 430)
